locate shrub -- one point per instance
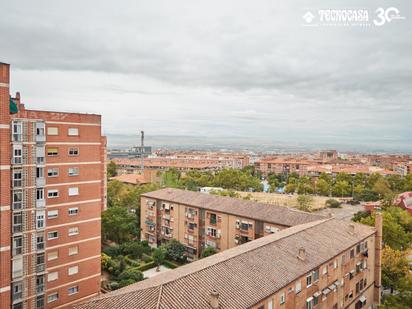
(126, 282)
(132, 273)
(332, 203)
(146, 266)
(208, 252)
(146, 258)
(114, 285)
(135, 249)
(170, 264)
(112, 250)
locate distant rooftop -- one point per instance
(243, 275)
(242, 208)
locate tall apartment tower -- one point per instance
(52, 192)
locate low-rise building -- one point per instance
(323, 264)
(200, 220)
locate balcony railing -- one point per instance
(17, 251)
(40, 138)
(17, 296)
(40, 182)
(40, 203)
(40, 268)
(40, 288)
(40, 246)
(17, 228)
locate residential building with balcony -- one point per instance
(52, 194)
(200, 220)
(322, 264)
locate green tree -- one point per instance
(305, 185)
(381, 187)
(305, 202)
(323, 187)
(229, 193)
(175, 251)
(118, 225)
(208, 251)
(342, 188)
(396, 183)
(407, 186)
(395, 267)
(111, 169)
(159, 256)
(290, 188)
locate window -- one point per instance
(309, 280)
(52, 235)
(309, 303)
(40, 194)
(315, 300)
(52, 131)
(73, 171)
(17, 200)
(51, 214)
(52, 276)
(17, 245)
(298, 287)
(40, 153)
(73, 270)
(73, 132)
(358, 247)
(17, 178)
(17, 290)
(17, 129)
(40, 242)
(73, 151)
(40, 128)
(52, 255)
(40, 214)
(282, 298)
(40, 262)
(352, 253)
(39, 172)
(73, 250)
(213, 218)
(270, 304)
(325, 270)
(52, 297)
(52, 152)
(316, 275)
(17, 267)
(17, 154)
(73, 231)
(73, 290)
(211, 232)
(17, 222)
(335, 264)
(73, 211)
(53, 193)
(53, 172)
(73, 191)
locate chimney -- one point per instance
(214, 299)
(351, 228)
(378, 258)
(302, 254)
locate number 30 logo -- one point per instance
(384, 16)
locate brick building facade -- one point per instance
(52, 194)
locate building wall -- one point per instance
(197, 228)
(74, 213)
(337, 297)
(5, 213)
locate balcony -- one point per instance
(40, 203)
(40, 288)
(40, 246)
(40, 268)
(40, 182)
(17, 296)
(17, 228)
(40, 138)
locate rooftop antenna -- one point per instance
(142, 151)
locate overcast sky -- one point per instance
(247, 69)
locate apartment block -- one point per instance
(52, 194)
(200, 220)
(323, 264)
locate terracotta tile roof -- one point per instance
(134, 179)
(259, 211)
(243, 275)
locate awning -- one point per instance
(332, 287)
(326, 291)
(309, 299)
(13, 107)
(317, 294)
(337, 283)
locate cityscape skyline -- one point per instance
(219, 68)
